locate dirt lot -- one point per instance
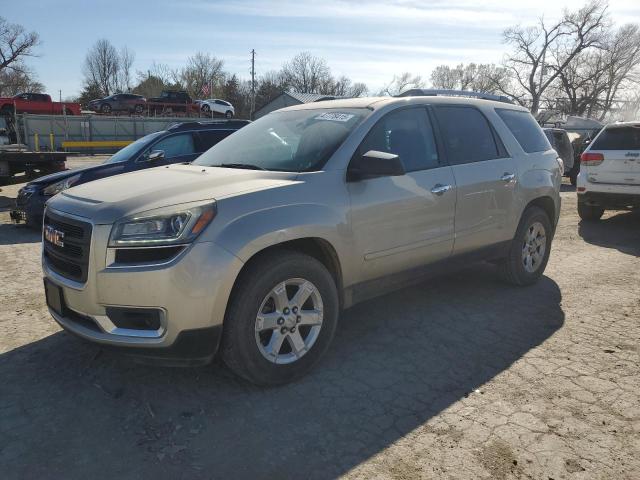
(461, 377)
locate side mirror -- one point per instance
(375, 164)
(155, 155)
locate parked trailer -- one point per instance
(14, 161)
(51, 132)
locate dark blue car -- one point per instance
(182, 142)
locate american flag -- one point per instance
(205, 89)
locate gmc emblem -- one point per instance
(54, 236)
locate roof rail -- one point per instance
(427, 92)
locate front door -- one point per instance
(177, 148)
(402, 222)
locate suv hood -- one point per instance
(58, 176)
(105, 201)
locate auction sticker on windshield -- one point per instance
(336, 117)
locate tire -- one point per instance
(68, 111)
(573, 178)
(589, 213)
(206, 108)
(105, 108)
(514, 269)
(245, 349)
(228, 114)
(138, 109)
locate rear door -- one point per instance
(485, 177)
(208, 138)
(620, 147)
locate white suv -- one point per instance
(214, 105)
(609, 177)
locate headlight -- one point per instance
(57, 187)
(167, 226)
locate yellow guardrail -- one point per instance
(96, 144)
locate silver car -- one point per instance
(254, 249)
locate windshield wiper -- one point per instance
(247, 166)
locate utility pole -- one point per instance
(253, 83)
(60, 93)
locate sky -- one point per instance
(368, 41)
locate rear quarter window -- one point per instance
(526, 130)
(618, 138)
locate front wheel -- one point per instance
(105, 108)
(529, 250)
(281, 318)
(589, 213)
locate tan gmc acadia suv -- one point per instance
(255, 248)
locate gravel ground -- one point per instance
(460, 377)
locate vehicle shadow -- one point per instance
(620, 231)
(11, 233)
(567, 187)
(69, 410)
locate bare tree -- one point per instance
(402, 82)
(15, 44)
(446, 77)
(202, 69)
(102, 66)
(593, 81)
(306, 73)
(531, 61)
(14, 82)
(485, 78)
(125, 74)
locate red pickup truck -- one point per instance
(37, 103)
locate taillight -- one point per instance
(590, 159)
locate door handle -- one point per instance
(439, 189)
(507, 177)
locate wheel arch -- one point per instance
(316, 247)
(547, 204)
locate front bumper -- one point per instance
(191, 292)
(29, 208)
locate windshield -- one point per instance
(293, 141)
(127, 152)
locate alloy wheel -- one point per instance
(289, 321)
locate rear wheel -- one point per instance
(281, 318)
(529, 251)
(206, 108)
(589, 212)
(228, 114)
(138, 109)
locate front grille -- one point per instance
(72, 259)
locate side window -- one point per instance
(176, 145)
(209, 138)
(406, 133)
(526, 130)
(467, 135)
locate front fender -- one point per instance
(247, 235)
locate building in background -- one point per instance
(288, 99)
